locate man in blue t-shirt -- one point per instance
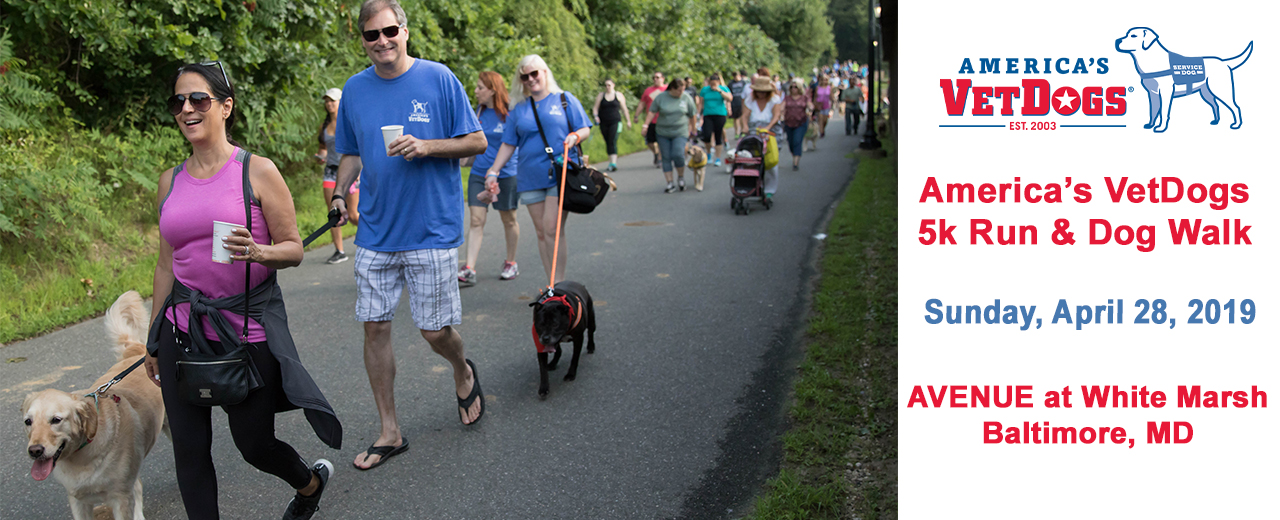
(411, 208)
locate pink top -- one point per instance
(186, 223)
(823, 98)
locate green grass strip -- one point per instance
(841, 451)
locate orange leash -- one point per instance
(555, 253)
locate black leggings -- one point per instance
(252, 425)
(609, 129)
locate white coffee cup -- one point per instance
(221, 254)
(390, 133)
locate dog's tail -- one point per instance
(127, 325)
(1239, 60)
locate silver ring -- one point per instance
(246, 250)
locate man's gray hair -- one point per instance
(373, 7)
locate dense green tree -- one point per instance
(849, 29)
(800, 27)
(678, 37)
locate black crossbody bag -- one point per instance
(585, 187)
(210, 379)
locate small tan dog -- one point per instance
(697, 162)
(96, 450)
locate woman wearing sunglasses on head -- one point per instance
(204, 301)
(564, 124)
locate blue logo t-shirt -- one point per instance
(534, 163)
(494, 128)
(406, 205)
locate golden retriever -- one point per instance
(697, 163)
(95, 449)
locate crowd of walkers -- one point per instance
(393, 142)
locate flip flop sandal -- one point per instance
(476, 393)
(384, 453)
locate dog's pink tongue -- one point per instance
(41, 469)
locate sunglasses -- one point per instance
(529, 76)
(200, 102)
(389, 31)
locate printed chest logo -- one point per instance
(498, 129)
(555, 110)
(420, 114)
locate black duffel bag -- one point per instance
(584, 189)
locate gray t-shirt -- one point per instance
(673, 114)
(331, 156)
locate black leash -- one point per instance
(334, 217)
(107, 386)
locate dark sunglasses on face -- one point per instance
(389, 31)
(529, 76)
(200, 102)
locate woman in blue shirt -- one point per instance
(491, 94)
(538, 176)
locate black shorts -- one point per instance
(651, 136)
(735, 108)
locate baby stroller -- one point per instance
(747, 180)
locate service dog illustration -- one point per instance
(1167, 75)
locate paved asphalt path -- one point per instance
(678, 414)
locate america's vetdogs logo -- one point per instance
(1167, 75)
(1052, 91)
(1039, 96)
(420, 114)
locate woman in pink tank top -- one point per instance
(822, 103)
(211, 186)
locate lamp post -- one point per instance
(869, 140)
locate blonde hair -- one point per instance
(535, 62)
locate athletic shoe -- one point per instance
(613, 167)
(303, 508)
(681, 182)
(337, 258)
(657, 161)
(510, 270)
(670, 188)
(717, 163)
(467, 276)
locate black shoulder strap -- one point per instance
(538, 121)
(248, 224)
(564, 105)
(176, 170)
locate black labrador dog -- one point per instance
(564, 314)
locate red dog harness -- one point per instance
(574, 315)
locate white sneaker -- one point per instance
(510, 270)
